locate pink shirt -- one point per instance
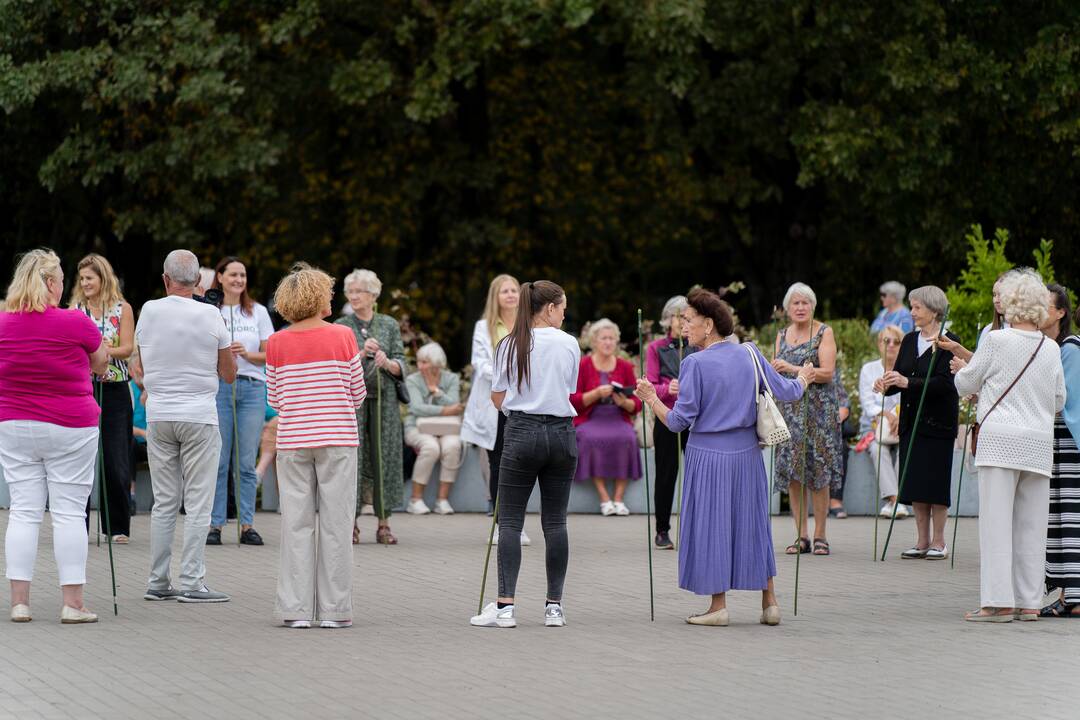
(45, 367)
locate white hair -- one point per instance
(672, 307)
(1024, 297)
(433, 353)
(182, 267)
(803, 290)
(206, 278)
(932, 298)
(365, 280)
(894, 289)
(599, 325)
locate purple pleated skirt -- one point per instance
(725, 530)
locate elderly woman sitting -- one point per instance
(893, 311)
(433, 427)
(607, 447)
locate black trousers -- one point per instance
(116, 438)
(494, 458)
(666, 452)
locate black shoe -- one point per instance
(250, 537)
(664, 542)
(213, 537)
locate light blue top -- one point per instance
(423, 402)
(1070, 363)
(901, 318)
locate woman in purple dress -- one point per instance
(726, 530)
(607, 446)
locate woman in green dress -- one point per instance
(379, 339)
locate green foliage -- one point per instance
(971, 303)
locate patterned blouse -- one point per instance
(110, 336)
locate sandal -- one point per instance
(383, 536)
(1060, 609)
(821, 547)
(800, 546)
(838, 512)
(991, 615)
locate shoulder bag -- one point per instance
(772, 429)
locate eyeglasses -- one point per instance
(889, 341)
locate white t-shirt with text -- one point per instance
(553, 371)
(178, 341)
(252, 330)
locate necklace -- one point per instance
(798, 335)
(714, 342)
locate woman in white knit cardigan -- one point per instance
(1015, 450)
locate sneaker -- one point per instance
(902, 512)
(335, 624)
(663, 541)
(442, 507)
(205, 595)
(250, 537)
(887, 510)
(417, 507)
(553, 615)
(525, 539)
(167, 594)
(213, 537)
(621, 509)
(296, 623)
(607, 508)
(493, 616)
(495, 537)
(367, 509)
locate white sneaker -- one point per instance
(367, 509)
(902, 511)
(417, 507)
(335, 624)
(887, 510)
(553, 615)
(525, 539)
(495, 537)
(621, 509)
(299, 624)
(607, 508)
(442, 507)
(492, 616)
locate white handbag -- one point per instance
(771, 426)
(644, 428)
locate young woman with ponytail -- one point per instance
(536, 369)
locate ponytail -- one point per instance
(532, 298)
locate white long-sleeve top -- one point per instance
(1019, 434)
(869, 400)
(480, 425)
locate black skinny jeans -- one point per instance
(116, 439)
(536, 448)
(666, 452)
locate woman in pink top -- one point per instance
(48, 428)
(315, 380)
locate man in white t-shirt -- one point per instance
(184, 347)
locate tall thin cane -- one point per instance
(679, 476)
(802, 495)
(648, 492)
(877, 478)
(381, 509)
(487, 557)
(914, 429)
(959, 489)
(103, 493)
(235, 439)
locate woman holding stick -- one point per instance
(879, 417)
(536, 369)
(726, 532)
(928, 481)
(662, 360)
(1020, 383)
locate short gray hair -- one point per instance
(932, 298)
(365, 280)
(672, 307)
(433, 353)
(182, 267)
(1024, 297)
(600, 325)
(800, 289)
(893, 288)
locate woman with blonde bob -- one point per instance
(48, 429)
(315, 380)
(97, 295)
(1021, 386)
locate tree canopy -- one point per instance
(624, 148)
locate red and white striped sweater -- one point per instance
(315, 381)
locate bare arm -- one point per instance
(226, 365)
(497, 399)
(823, 373)
(127, 335)
(99, 360)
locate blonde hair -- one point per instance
(109, 294)
(600, 325)
(303, 293)
(28, 291)
(1024, 297)
(365, 280)
(894, 331)
(491, 305)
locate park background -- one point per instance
(625, 149)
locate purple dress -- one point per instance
(607, 446)
(725, 538)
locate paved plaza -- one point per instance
(872, 640)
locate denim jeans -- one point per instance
(536, 448)
(250, 416)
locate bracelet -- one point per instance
(805, 384)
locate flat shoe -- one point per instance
(770, 615)
(76, 616)
(20, 613)
(993, 617)
(1025, 616)
(935, 554)
(914, 553)
(120, 539)
(718, 618)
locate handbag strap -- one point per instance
(1013, 384)
(753, 357)
(758, 369)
